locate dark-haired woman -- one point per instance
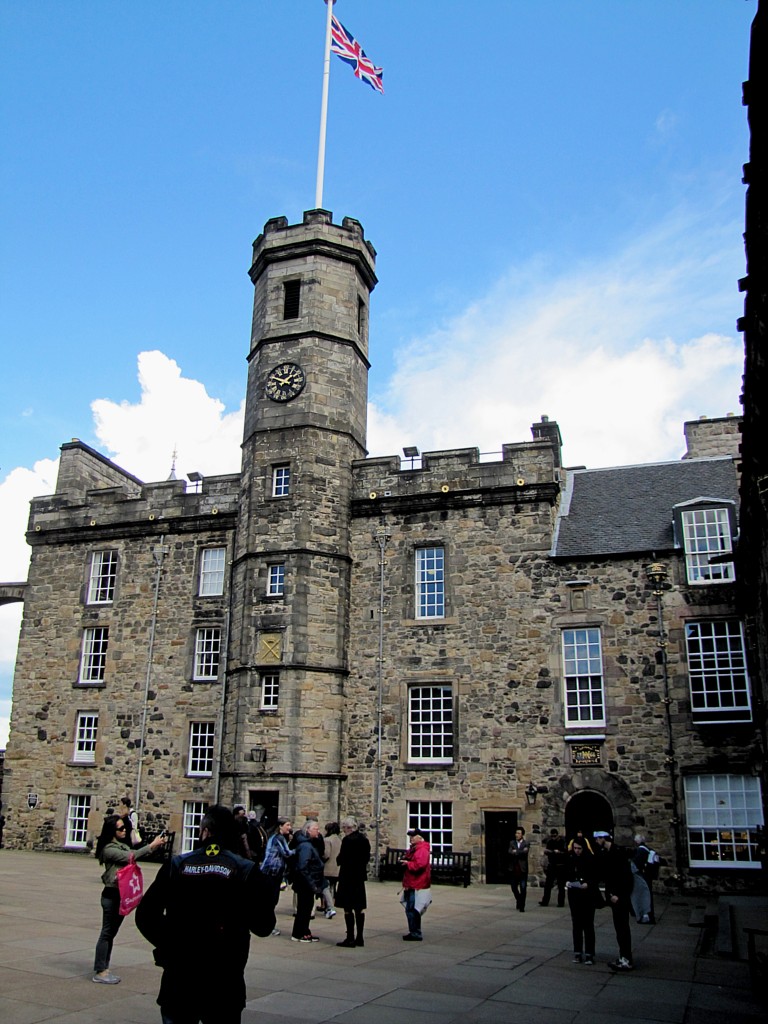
(583, 898)
(114, 852)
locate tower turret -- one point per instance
(305, 423)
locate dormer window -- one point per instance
(705, 529)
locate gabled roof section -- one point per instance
(629, 508)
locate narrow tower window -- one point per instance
(291, 294)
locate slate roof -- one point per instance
(629, 508)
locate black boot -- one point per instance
(349, 921)
(360, 923)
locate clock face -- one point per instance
(285, 382)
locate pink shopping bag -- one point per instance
(130, 885)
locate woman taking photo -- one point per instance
(583, 899)
(114, 852)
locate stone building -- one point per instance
(439, 640)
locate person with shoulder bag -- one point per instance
(131, 819)
(114, 852)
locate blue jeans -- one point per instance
(411, 913)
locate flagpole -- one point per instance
(324, 108)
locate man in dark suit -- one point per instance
(518, 866)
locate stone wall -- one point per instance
(158, 536)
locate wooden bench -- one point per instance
(757, 958)
(447, 868)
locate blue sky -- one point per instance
(553, 188)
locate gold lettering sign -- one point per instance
(586, 753)
(270, 647)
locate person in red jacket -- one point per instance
(417, 878)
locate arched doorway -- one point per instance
(588, 811)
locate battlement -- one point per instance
(317, 235)
(527, 464)
(120, 507)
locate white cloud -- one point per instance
(5, 718)
(173, 413)
(16, 492)
(608, 349)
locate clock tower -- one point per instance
(305, 424)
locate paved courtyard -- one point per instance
(480, 961)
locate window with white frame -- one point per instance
(78, 809)
(201, 736)
(583, 677)
(717, 671)
(86, 730)
(270, 691)
(435, 817)
(706, 540)
(430, 583)
(212, 564)
(430, 724)
(723, 814)
(207, 652)
(93, 660)
(276, 579)
(102, 577)
(192, 815)
(281, 481)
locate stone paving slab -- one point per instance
(480, 962)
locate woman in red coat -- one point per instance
(417, 879)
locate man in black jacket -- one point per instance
(199, 913)
(614, 869)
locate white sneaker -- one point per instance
(622, 964)
(330, 913)
(275, 931)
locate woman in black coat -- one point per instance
(353, 860)
(583, 899)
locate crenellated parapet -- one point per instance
(525, 472)
(135, 509)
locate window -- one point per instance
(724, 813)
(430, 724)
(281, 481)
(94, 657)
(101, 582)
(707, 536)
(276, 579)
(192, 815)
(583, 677)
(435, 817)
(201, 736)
(86, 728)
(430, 583)
(291, 297)
(270, 691)
(212, 564)
(78, 809)
(717, 671)
(207, 653)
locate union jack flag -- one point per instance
(346, 47)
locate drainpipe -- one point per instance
(158, 554)
(657, 574)
(381, 539)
